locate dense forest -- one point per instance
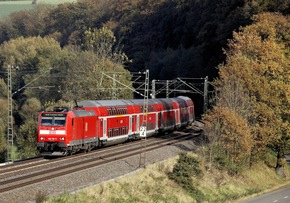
(242, 46)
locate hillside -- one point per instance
(8, 7)
(153, 185)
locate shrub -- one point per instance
(183, 172)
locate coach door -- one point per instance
(131, 118)
(156, 124)
(137, 123)
(105, 128)
(177, 116)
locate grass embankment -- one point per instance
(153, 185)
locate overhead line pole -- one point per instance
(10, 118)
(143, 129)
(10, 137)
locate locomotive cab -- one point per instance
(52, 133)
(63, 133)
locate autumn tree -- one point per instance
(25, 23)
(258, 58)
(226, 126)
(71, 20)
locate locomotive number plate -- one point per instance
(52, 132)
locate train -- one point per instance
(95, 123)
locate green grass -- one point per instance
(8, 7)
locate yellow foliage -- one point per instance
(258, 60)
(232, 132)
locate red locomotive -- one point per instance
(95, 123)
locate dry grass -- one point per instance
(153, 185)
(149, 185)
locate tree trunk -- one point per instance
(281, 161)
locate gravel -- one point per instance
(92, 176)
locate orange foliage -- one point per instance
(233, 132)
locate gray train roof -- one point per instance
(184, 98)
(98, 103)
(82, 113)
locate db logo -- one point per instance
(52, 132)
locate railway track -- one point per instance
(40, 161)
(21, 166)
(78, 163)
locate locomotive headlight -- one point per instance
(42, 138)
(62, 138)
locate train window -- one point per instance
(59, 121)
(47, 121)
(53, 119)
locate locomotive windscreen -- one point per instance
(53, 119)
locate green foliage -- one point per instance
(222, 162)
(100, 41)
(184, 170)
(39, 60)
(48, 73)
(26, 140)
(3, 128)
(30, 109)
(3, 89)
(101, 57)
(3, 143)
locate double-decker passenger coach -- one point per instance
(103, 122)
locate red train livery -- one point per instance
(95, 123)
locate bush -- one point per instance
(223, 163)
(184, 170)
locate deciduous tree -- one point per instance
(258, 57)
